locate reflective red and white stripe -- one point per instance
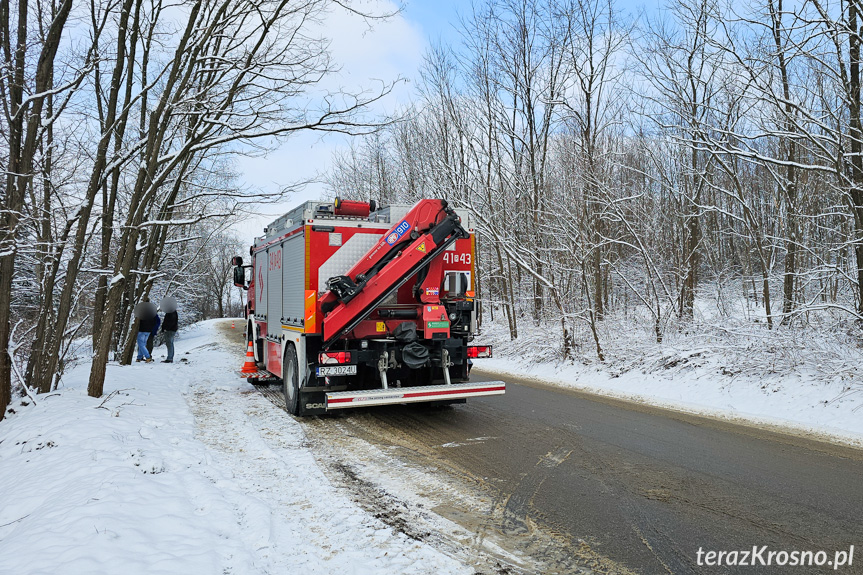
(347, 399)
(257, 375)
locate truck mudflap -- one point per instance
(347, 399)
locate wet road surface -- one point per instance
(643, 487)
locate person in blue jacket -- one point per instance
(152, 338)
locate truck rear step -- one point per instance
(347, 399)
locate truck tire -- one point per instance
(291, 380)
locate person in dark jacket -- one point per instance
(169, 328)
(147, 322)
(152, 339)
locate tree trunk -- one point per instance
(856, 192)
(109, 192)
(22, 149)
(142, 196)
(94, 185)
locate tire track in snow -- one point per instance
(284, 506)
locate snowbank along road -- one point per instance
(574, 482)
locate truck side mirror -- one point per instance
(240, 276)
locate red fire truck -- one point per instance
(353, 305)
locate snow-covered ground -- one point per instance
(185, 468)
(181, 468)
(800, 380)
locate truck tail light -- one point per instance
(334, 357)
(477, 351)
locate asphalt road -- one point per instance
(643, 487)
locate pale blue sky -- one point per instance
(437, 18)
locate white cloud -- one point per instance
(386, 50)
(367, 54)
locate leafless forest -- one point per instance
(120, 122)
(690, 171)
(644, 178)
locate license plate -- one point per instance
(332, 370)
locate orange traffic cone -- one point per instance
(232, 324)
(249, 367)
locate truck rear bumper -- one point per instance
(347, 399)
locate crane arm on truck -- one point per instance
(428, 229)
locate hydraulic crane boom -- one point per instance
(410, 245)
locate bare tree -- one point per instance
(22, 109)
(680, 65)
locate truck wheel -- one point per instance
(291, 380)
